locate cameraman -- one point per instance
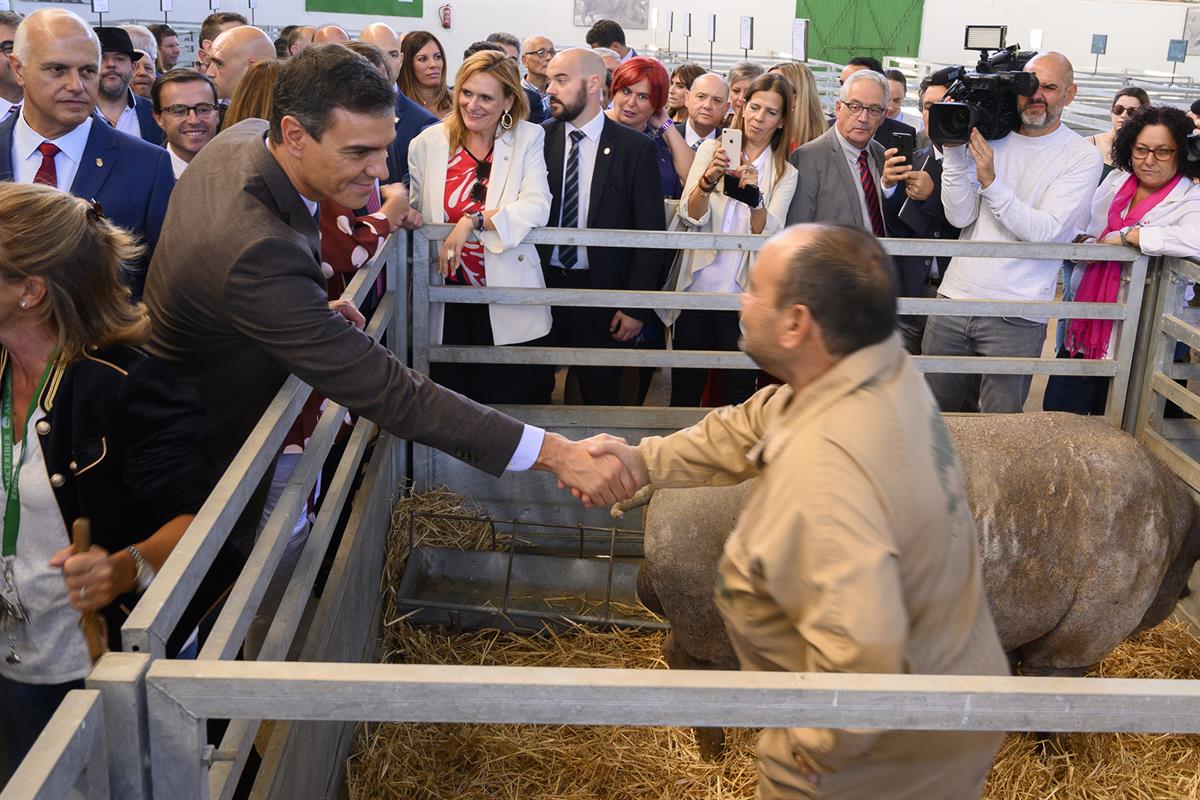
(1033, 185)
(917, 213)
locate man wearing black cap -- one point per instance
(117, 103)
(917, 213)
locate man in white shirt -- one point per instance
(707, 103)
(10, 89)
(185, 107)
(1033, 185)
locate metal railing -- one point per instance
(69, 758)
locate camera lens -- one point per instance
(950, 123)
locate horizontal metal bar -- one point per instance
(696, 240)
(1177, 394)
(1173, 456)
(71, 745)
(1180, 331)
(725, 359)
(566, 696)
(732, 302)
(1182, 266)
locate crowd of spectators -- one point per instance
(104, 121)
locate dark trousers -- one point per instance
(581, 328)
(491, 384)
(25, 708)
(1078, 394)
(709, 330)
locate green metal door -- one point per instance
(841, 29)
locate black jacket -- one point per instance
(890, 126)
(121, 444)
(918, 219)
(626, 192)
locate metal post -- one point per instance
(178, 754)
(1170, 293)
(1141, 347)
(119, 677)
(1127, 329)
(422, 274)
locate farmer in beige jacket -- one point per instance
(856, 551)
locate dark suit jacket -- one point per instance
(918, 219)
(626, 192)
(411, 119)
(145, 114)
(239, 301)
(537, 114)
(892, 126)
(130, 179)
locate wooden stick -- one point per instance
(95, 631)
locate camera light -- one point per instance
(986, 37)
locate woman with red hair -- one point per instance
(639, 101)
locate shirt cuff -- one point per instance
(888, 192)
(527, 449)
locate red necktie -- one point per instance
(47, 174)
(871, 193)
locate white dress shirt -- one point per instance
(26, 159)
(128, 121)
(852, 153)
(177, 163)
(589, 146)
(5, 107)
(722, 274)
(692, 138)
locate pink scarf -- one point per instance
(1102, 279)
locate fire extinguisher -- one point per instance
(444, 13)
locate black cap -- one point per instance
(116, 40)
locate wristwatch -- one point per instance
(1125, 234)
(477, 220)
(143, 572)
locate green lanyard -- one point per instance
(12, 472)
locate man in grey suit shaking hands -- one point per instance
(238, 298)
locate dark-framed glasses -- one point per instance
(180, 111)
(543, 52)
(6, 47)
(1159, 153)
(855, 109)
(1125, 111)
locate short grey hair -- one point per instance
(876, 78)
(44, 17)
(11, 19)
(143, 40)
(501, 37)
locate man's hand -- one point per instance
(597, 480)
(918, 185)
(410, 220)
(895, 168)
(347, 309)
(985, 158)
(602, 445)
(89, 577)
(624, 327)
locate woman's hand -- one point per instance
(91, 582)
(453, 246)
(747, 174)
(716, 167)
(659, 119)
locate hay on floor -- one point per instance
(530, 762)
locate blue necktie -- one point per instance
(568, 255)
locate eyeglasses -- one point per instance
(1160, 153)
(6, 47)
(180, 111)
(856, 109)
(544, 52)
(1125, 111)
(483, 171)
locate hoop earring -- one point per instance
(506, 121)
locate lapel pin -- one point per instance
(607, 150)
(99, 162)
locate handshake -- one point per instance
(599, 471)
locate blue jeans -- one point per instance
(1068, 271)
(25, 708)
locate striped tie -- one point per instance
(871, 193)
(12, 112)
(568, 255)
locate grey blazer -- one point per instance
(238, 301)
(825, 186)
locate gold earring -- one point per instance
(506, 121)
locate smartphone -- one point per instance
(747, 195)
(731, 141)
(904, 143)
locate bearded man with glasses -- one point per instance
(185, 107)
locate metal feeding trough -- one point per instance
(531, 576)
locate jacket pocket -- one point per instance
(87, 454)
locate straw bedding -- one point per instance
(424, 761)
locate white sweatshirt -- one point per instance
(1042, 193)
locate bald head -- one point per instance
(1053, 62)
(576, 85)
(382, 36)
(52, 23)
(707, 102)
(331, 34)
(234, 52)
(56, 61)
(1042, 113)
(581, 62)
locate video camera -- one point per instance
(985, 99)
(1193, 147)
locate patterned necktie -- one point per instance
(47, 174)
(871, 193)
(12, 112)
(568, 255)
(374, 203)
(696, 146)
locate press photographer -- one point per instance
(1032, 185)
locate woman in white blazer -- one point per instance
(766, 123)
(483, 168)
(1149, 201)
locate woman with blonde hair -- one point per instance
(743, 193)
(739, 77)
(93, 428)
(253, 96)
(809, 119)
(483, 169)
(423, 73)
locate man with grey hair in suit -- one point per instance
(841, 172)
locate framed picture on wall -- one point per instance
(629, 14)
(1191, 30)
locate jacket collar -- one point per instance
(45, 400)
(284, 195)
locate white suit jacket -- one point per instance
(518, 188)
(1171, 228)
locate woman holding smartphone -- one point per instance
(741, 183)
